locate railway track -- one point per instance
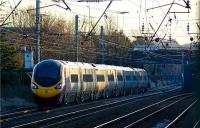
(22, 112)
(90, 117)
(188, 117)
(34, 119)
(173, 123)
(18, 112)
(197, 124)
(141, 116)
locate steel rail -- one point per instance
(95, 109)
(89, 114)
(23, 114)
(18, 112)
(154, 113)
(84, 115)
(195, 126)
(172, 123)
(13, 116)
(137, 111)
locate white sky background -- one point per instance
(136, 16)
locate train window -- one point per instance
(139, 78)
(100, 78)
(134, 78)
(128, 78)
(120, 77)
(110, 78)
(74, 78)
(87, 78)
(47, 73)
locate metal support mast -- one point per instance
(37, 31)
(102, 44)
(76, 38)
(183, 66)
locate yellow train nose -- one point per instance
(46, 92)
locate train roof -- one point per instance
(127, 69)
(76, 64)
(138, 69)
(97, 66)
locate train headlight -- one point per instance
(58, 87)
(34, 87)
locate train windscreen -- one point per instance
(47, 73)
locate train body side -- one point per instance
(82, 81)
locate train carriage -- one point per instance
(60, 81)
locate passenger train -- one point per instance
(57, 81)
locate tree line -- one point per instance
(57, 40)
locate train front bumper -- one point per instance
(43, 100)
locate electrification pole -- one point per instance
(102, 44)
(37, 31)
(76, 38)
(89, 18)
(183, 66)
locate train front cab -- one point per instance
(47, 84)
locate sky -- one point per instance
(136, 15)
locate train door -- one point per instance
(134, 78)
(143, 79)
(115, 81)
(128, 82)
(132, 86)
(93, 83)
(140, 81)
(67, 84)
(106, 87)
(96, 88)
(83, 88)
(100, 82)
(137, 81)
(125, 87)
(110, 83)
(120, 81)
(75, 82)
(88, 83)
(80, 86)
